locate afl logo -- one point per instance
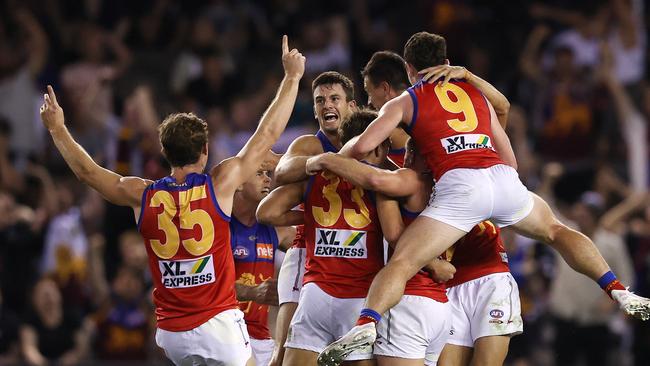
(240, 252)
(498, 314)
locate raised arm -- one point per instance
(291, 167)
(398, 183)
(233, 172)
(390, 116)
(501, 140)
(493, 95)
(277, 208)
(119, 190)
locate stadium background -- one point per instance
(575, 76)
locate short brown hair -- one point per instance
(355, 124)
(333, 77)
(389, 67)
(425, 49)
(183, 136)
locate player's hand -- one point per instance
(266, 293)
(315, 164)
(51, 112)
(292, 61)
(447, 72)
(441, 271)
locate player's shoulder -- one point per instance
(305, 145)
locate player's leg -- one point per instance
(360, 363)
(424, 240)
(396, 361)
(576, 248)
(455, 355)
(490, 351)
(299, 357)
(285, 313)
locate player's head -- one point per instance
(184, 139)
(413, 159)
(384, 78)
(334, 100)
(424, 50)
(256, 187)
(354, 126)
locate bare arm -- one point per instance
(501, 141)
(286, 234)
(398, 183)
(291, 167)
(119, 190)
(499, 101)
(529, 59)
(276, 208)
(36, 43)
(390, 116)
(265, 293)
(29, 346)
(233, 172)
(390, 218)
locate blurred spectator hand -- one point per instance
(51, 112)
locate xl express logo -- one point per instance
(187, 272)
(340, 243)
(471, 141)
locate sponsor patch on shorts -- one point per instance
(469, 141)
(340, 243)
(187, 272)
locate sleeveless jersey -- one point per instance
(342, 235)
(253, 249)
(451, 127)
(421, 284)
(479, 253)
(397, 156)
(299, 240)
(188, 244)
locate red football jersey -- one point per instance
(477, 254)
(451, 127)
(188, 243)
(421, 284)
(342, 235)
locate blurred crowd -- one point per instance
(74, 284)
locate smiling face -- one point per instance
(331, 107)
(257, 187)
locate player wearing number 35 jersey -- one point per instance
(184, 218)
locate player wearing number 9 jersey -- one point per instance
(466, 148)
(184, 221)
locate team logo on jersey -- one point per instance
(504, 257)
(187, 272)
(240, 252)
(340, 243)
(264, 251)
(470, 141)
(496, 313)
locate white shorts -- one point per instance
(416, 328)
(262, 351)
(486, 306)
(464, 197)
(291, 275)
(222, 340)
(320, 319)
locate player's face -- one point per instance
(330, 106)
(377, 96)
(257, 187)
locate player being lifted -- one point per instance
(472, 162)
(254, 245)
(183, 219)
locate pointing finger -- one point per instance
(50, 91)
(285, 44)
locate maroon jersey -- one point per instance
(451, 127)
(188, 243)
(342, 236)
(421, 284)
(477, 254)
